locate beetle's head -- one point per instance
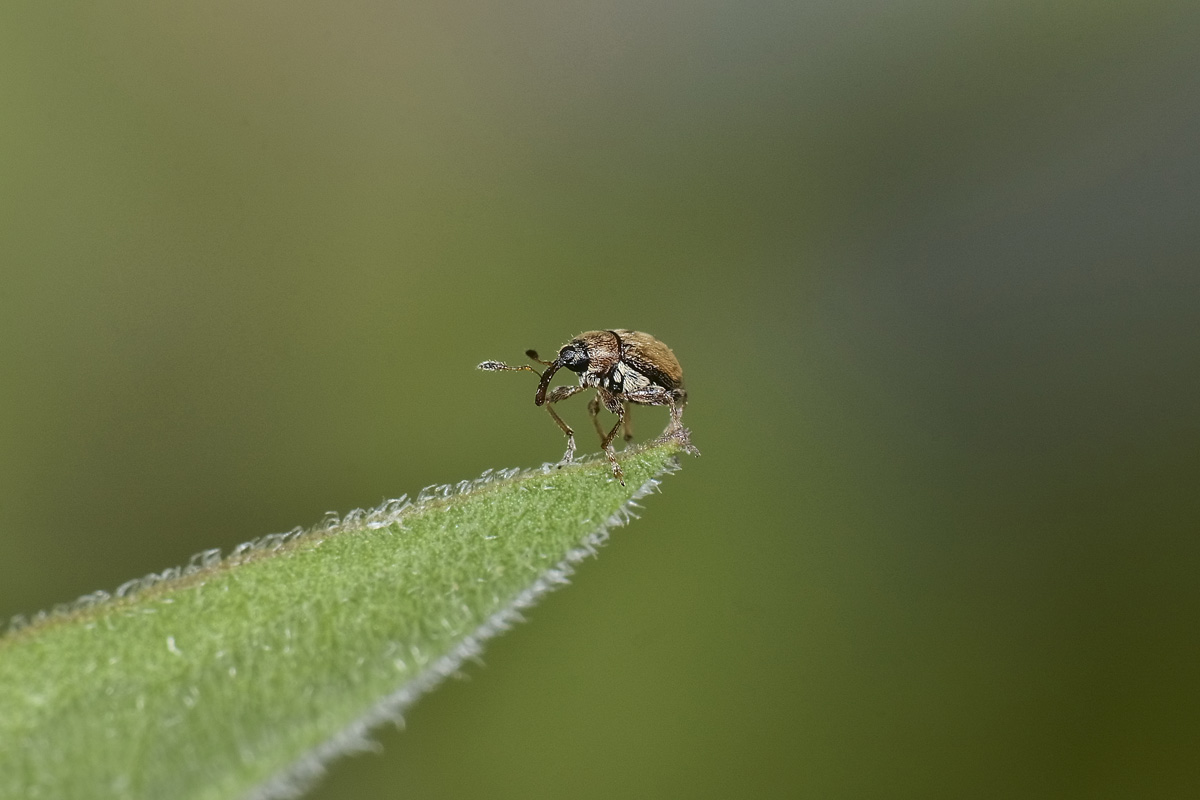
(574, 356)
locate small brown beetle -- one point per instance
(624, 367)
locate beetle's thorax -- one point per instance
(603, 350)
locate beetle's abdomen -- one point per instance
(650, 358)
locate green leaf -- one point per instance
(243, 676)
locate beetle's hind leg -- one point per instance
(627, 419)
(674, 400)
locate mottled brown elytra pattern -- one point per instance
(624, 367)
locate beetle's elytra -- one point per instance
(624, 367)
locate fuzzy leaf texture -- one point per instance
(241, 677)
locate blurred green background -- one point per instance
(932, 270)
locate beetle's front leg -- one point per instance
(562, 393)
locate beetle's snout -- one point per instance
(544, 384)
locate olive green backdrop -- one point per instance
(932, 270)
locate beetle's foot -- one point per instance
(616, 468)
(681, 436)
(569, 456)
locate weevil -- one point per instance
(624, 367)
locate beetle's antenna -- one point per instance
(500, 366)
(540, 397)
(534, 355)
